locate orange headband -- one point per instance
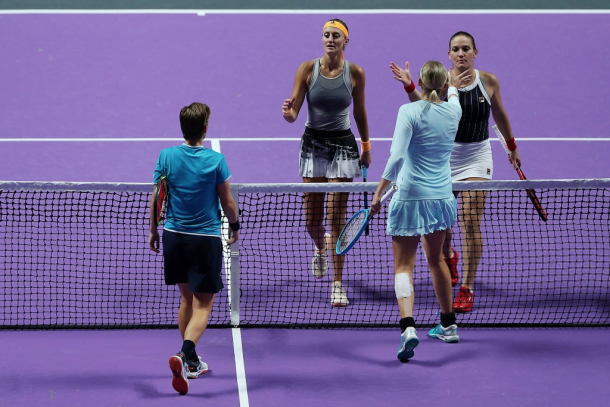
(338, 25)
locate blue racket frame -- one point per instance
(363, 226)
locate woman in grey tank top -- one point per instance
(329, 152)
(476, 164)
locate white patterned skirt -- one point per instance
(329, 154)
(471, 160)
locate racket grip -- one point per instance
(389, 192)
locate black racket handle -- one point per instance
(366, 198)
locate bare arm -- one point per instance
(404, 77)
(499, 114)
(229, 208)
(153, 236)
(292, 106)
(376, 202)
(360, 116)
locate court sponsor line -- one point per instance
(218, 140)
(313, 11)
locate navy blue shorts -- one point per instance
(193, 259)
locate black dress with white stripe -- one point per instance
(474, 124)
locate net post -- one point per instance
(235, 290)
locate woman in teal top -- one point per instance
(424, 204)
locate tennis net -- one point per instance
(75, 255)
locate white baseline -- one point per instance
(223, 139)
(282, 11)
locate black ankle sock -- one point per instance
(405, 323)
(447, 319)
(188, 348)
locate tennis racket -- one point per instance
(366, 198)
(356, 225)
(160, 202)
(530, 192)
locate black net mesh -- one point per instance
(81, 260)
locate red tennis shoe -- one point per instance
(464, 300)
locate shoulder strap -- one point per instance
(315, 73)
(347, 76)
(482, 86)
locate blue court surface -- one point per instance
(94, 97)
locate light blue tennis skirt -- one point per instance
(420, 217)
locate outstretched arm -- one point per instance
(404, 77)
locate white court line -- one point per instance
(240, 368)
(277, 11)
(218, 140)
(216, 145)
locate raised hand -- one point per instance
(402, 75)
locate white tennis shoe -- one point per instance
(319, 263)
(408, 342)
(338, 298)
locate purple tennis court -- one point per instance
(95, 97)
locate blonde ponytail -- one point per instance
(433, 76)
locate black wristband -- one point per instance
(234, 226)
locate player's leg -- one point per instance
(441, 278)
(471, 213)
(186, 364)
(178, 362)
(451, 255)
(204, 255)
(185, 311)
(404, 248)
(335, 215)
(175, 270)
(314, 224)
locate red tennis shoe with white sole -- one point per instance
(464, 300)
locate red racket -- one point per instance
(160, 203)
(530, 192)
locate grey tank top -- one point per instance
(328, 100)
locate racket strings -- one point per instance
(351, 230)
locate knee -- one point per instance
(335, 218)
(312, 223)
(436, 262)
(186, 300)
(471, 223)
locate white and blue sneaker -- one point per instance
(319, 263)
(408, 342)
(449, 334)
